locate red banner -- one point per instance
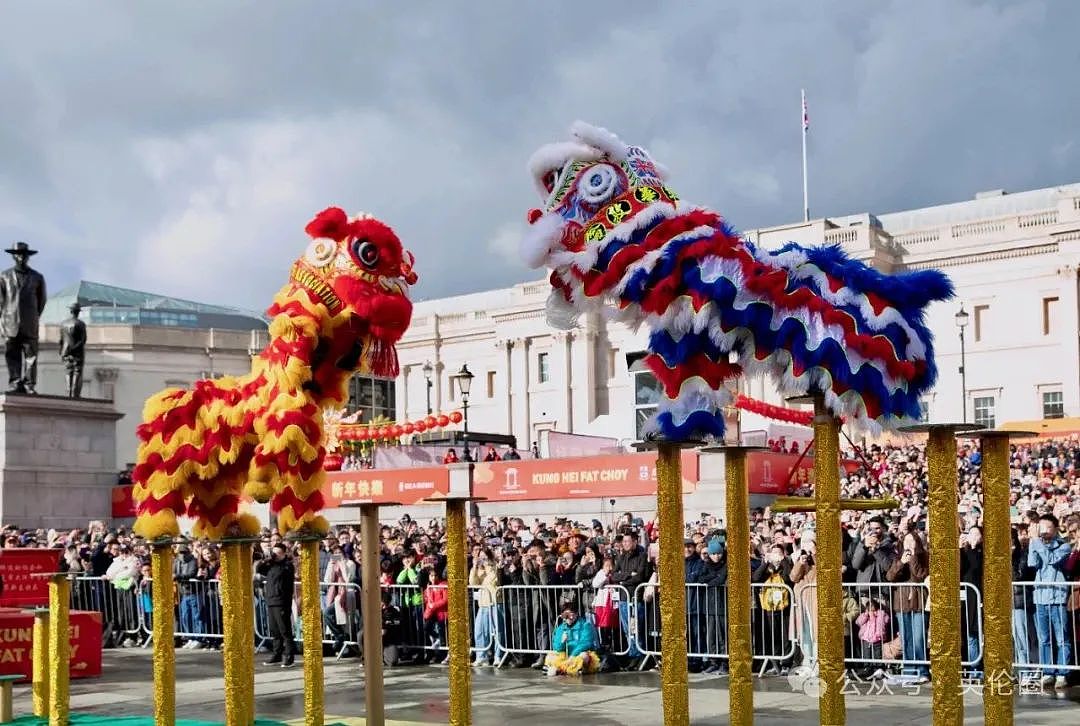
(381, 486)
(624, 475)
(17, 641)
(768, 472)
(123, 503)
(17, 567)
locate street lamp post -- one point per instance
(428, 368)
(961, 323)
(465, 378)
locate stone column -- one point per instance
(522, 383)
(585, 365)
(563, 365)
(1068, 329)
(405, 370)
(507, 346)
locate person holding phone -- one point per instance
(1048, 554)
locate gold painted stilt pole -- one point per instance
(310, 603)
(997, 589)
(41, 663)
(674, 686)
(162, 620)
(372, 610)
(947, 698)
(247, 625)
(233, 593)
(740, 648)
(830, 594)
(458, 612)
(59, 650)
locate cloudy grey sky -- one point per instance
(181, 147)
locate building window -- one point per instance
(647, 392)
(981, 313)
(924, 411)
(375, 398)
(1053, 403)
(984, 411)
(1049, 310)
(491, 384)
(543, 374)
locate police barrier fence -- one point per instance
(887, 624)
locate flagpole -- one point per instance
(805, 189)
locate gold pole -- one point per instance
(372, 612)
(41, 663)
(832, 710)
(740, 648)
(232, 614)
(947, 698)
(247, 625)
(310, 604)
(59, 650)
(458, 615)
(162, 622)
(997, 589)
(674, 686)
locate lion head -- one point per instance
(357, 268)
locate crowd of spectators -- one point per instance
(885, 570)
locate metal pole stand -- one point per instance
(458, 616)
(947, 698)
(238, 648)
(371, 606)
(59, 649)
(740, 647)
(41, 662)
(997, 589)
(674, 685)
(311, 619)
(162, 618)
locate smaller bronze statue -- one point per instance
(73, 349)
(22, 299)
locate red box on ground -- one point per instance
(17, 643)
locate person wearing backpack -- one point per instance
(774, 574)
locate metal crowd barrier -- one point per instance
(772, 605)
(121, 609)
(887, 623)
(1045, 628)
(1046, 634)
(430, 635)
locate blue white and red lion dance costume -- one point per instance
(813, 319)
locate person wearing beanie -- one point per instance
(713, 577)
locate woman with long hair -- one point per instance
(909, 603)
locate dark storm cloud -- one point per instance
(141, 141)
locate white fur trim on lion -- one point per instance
(600, 138)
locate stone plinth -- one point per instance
(57, 460)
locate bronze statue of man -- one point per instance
(22, 299)
(73, 349)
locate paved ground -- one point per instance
(418, 695)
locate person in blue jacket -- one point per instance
(574, 646)
(1047, 555)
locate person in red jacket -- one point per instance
(436, 606)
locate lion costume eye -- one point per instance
(366, 253)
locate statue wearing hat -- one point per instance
(22, 299)
(73, 349)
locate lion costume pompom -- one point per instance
(345, 306)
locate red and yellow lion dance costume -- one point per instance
(201, 450)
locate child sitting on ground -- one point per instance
(574, 646)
